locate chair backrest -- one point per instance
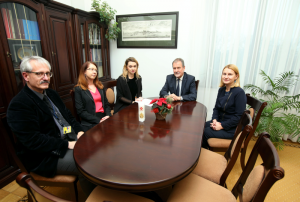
(243, 128)
(37, 194)
(110, 95)
(11, 143)
(254, 184)
(74, 107)
(197, 84)
(258, 108)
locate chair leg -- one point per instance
(74, 191)
(29, 197)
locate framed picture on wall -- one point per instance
(148, 30)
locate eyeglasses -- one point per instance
(91, 69)
(42, 74)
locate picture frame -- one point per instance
(22, 50)
(148, 30)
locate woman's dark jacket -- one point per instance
(86, 108)
(229, 108)
(124, 97)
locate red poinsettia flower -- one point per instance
(155, 110)
(161, 101)
(154, 100)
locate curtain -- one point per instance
(252, 34)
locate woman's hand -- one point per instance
(139, 99)
(218, 126)
(104, 118)
(214, 122)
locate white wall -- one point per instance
(156, 64)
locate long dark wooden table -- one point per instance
(125, 154)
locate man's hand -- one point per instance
(79, 134)
(104, 118)
(175, 97)
(71, 144)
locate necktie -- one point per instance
(177, 89)
(56, 115)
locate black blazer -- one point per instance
(86, 108)
(188, 87)
(229, 108)
(124, 97)
(39, 142)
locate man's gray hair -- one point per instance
(178, 60)
(25, 65)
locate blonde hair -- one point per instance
(236, 71)
(125, 72)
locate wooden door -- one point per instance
(62, 52)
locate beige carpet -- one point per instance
(286, 189)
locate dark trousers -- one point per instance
(99, 115)
(211, 133)
(66, 166)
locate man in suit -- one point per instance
(45, 129)
(181, 85)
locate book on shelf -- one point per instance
(21, 28)
(6, 24)
(10, 21)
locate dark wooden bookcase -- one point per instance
(65, 36)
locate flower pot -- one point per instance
(160, 116)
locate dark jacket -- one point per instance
(229, 109)
(86, 108)
(124, 97)
(39, 141)
(188, 87)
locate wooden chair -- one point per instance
(68, 181)
(215, 167)
(74, 107)
(221, 145)
(197, 84)
(110, 95)
(253, 184)
(98, 194)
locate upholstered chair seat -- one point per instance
(211, 165)
(57, 178)
(104, 194)
(196, 188)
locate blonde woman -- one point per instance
(229, 107)
(129, 85)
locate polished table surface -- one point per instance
(125, 154)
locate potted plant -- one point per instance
(276, 117)
(107, 15)
(161, 107)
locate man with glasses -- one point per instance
(45, 129)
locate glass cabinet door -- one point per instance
(95, 55)
(23, 35)
(82, 43)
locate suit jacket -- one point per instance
(86, 108)
(39, 141)
(229, 108)
(188, 87)
(124, 97)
